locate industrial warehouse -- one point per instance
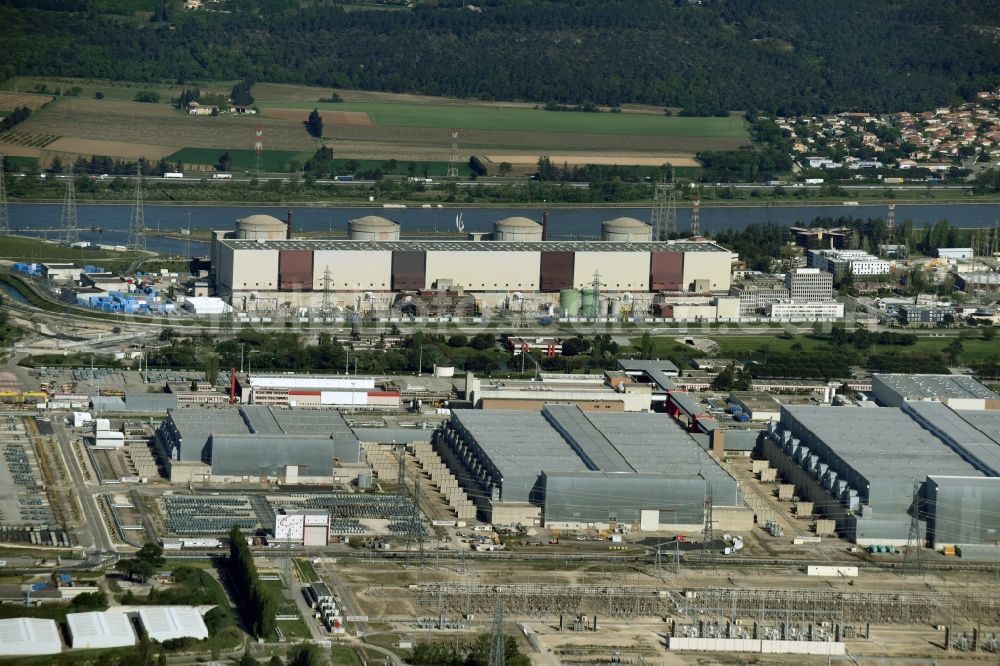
(256, 442)
(925, 467)
(259, 267)
(568, 468)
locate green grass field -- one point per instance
(519, 119)
(17, 248)
(274, 160)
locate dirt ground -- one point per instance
(576, 160)
(161, 125)
(110, 148)
(330, 118)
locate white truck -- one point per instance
(173, 174)
(222, 176)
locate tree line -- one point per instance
(254, 601)
(788, 58)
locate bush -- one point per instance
(149, 96)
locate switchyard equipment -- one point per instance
(198, 514)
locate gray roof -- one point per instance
(975, 435)
(917, 387)
(882, 444)
(472, 246)
(656, 370)
(397, 435)
(518, 443)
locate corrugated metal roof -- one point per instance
(965, 431)
(882, 444)
(163, 623)
(916, 387)
(472, 246)
(29, 635)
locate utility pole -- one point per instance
(914, 557)
(68, 233)
(453, 156)
(137, 223)
(708, 538)
(696, 218)
(4, 219)
(498, 647)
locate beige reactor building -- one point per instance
(258, 267)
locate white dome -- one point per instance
(260, 222)
(516, 222)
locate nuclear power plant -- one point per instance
(259, 266)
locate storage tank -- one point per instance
(616, 308)
(517, 229)
(588, 302)
(626, 230)
(261, 227)
(569, 301)
(372, 227)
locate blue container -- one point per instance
(744, 417)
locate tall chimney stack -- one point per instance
(288, 224)
(545, 225)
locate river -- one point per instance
(42, 220)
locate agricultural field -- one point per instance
(374, 126)
(273, 160)
(368, 127)
(12, 100)
(126, 129)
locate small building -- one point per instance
(809, 284)
(29, 636)
(100, 630)
(926, 315)
(757, 405)
(62, 272)
(806, 310)
(164, 623)
(206, 305)
(107, 282)
(308, 527)
(954, 253)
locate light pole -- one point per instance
(242, 344)
(249, 373)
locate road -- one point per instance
(93, 534)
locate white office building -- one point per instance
(806, 310)
(855, 262)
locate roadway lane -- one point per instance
(93, 534)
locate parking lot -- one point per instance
(23, 503)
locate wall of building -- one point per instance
(248, 271)
(556, 271)
(536, 404)
(620, 271)
(962, 510)
(716, 267)
(362, 270)
(485, 271)
(666, 271)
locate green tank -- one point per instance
(569, 302)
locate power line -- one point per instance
(68, 232)
(664, 215)
(258, 151)
(453, 156)
(4, 219)
(696, 218)
(137, 223)
(498, 647)
(914, 557)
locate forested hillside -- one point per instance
(786, 56)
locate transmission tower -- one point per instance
(137, 223)
(913, 559)
(664, 216)
(453, 156)
(596, 285)
(4, 220)
(708, 536)
(890, 218)
(696, 218)
(258, 151)
(68, 232)
(498, 647)
(325, 305)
